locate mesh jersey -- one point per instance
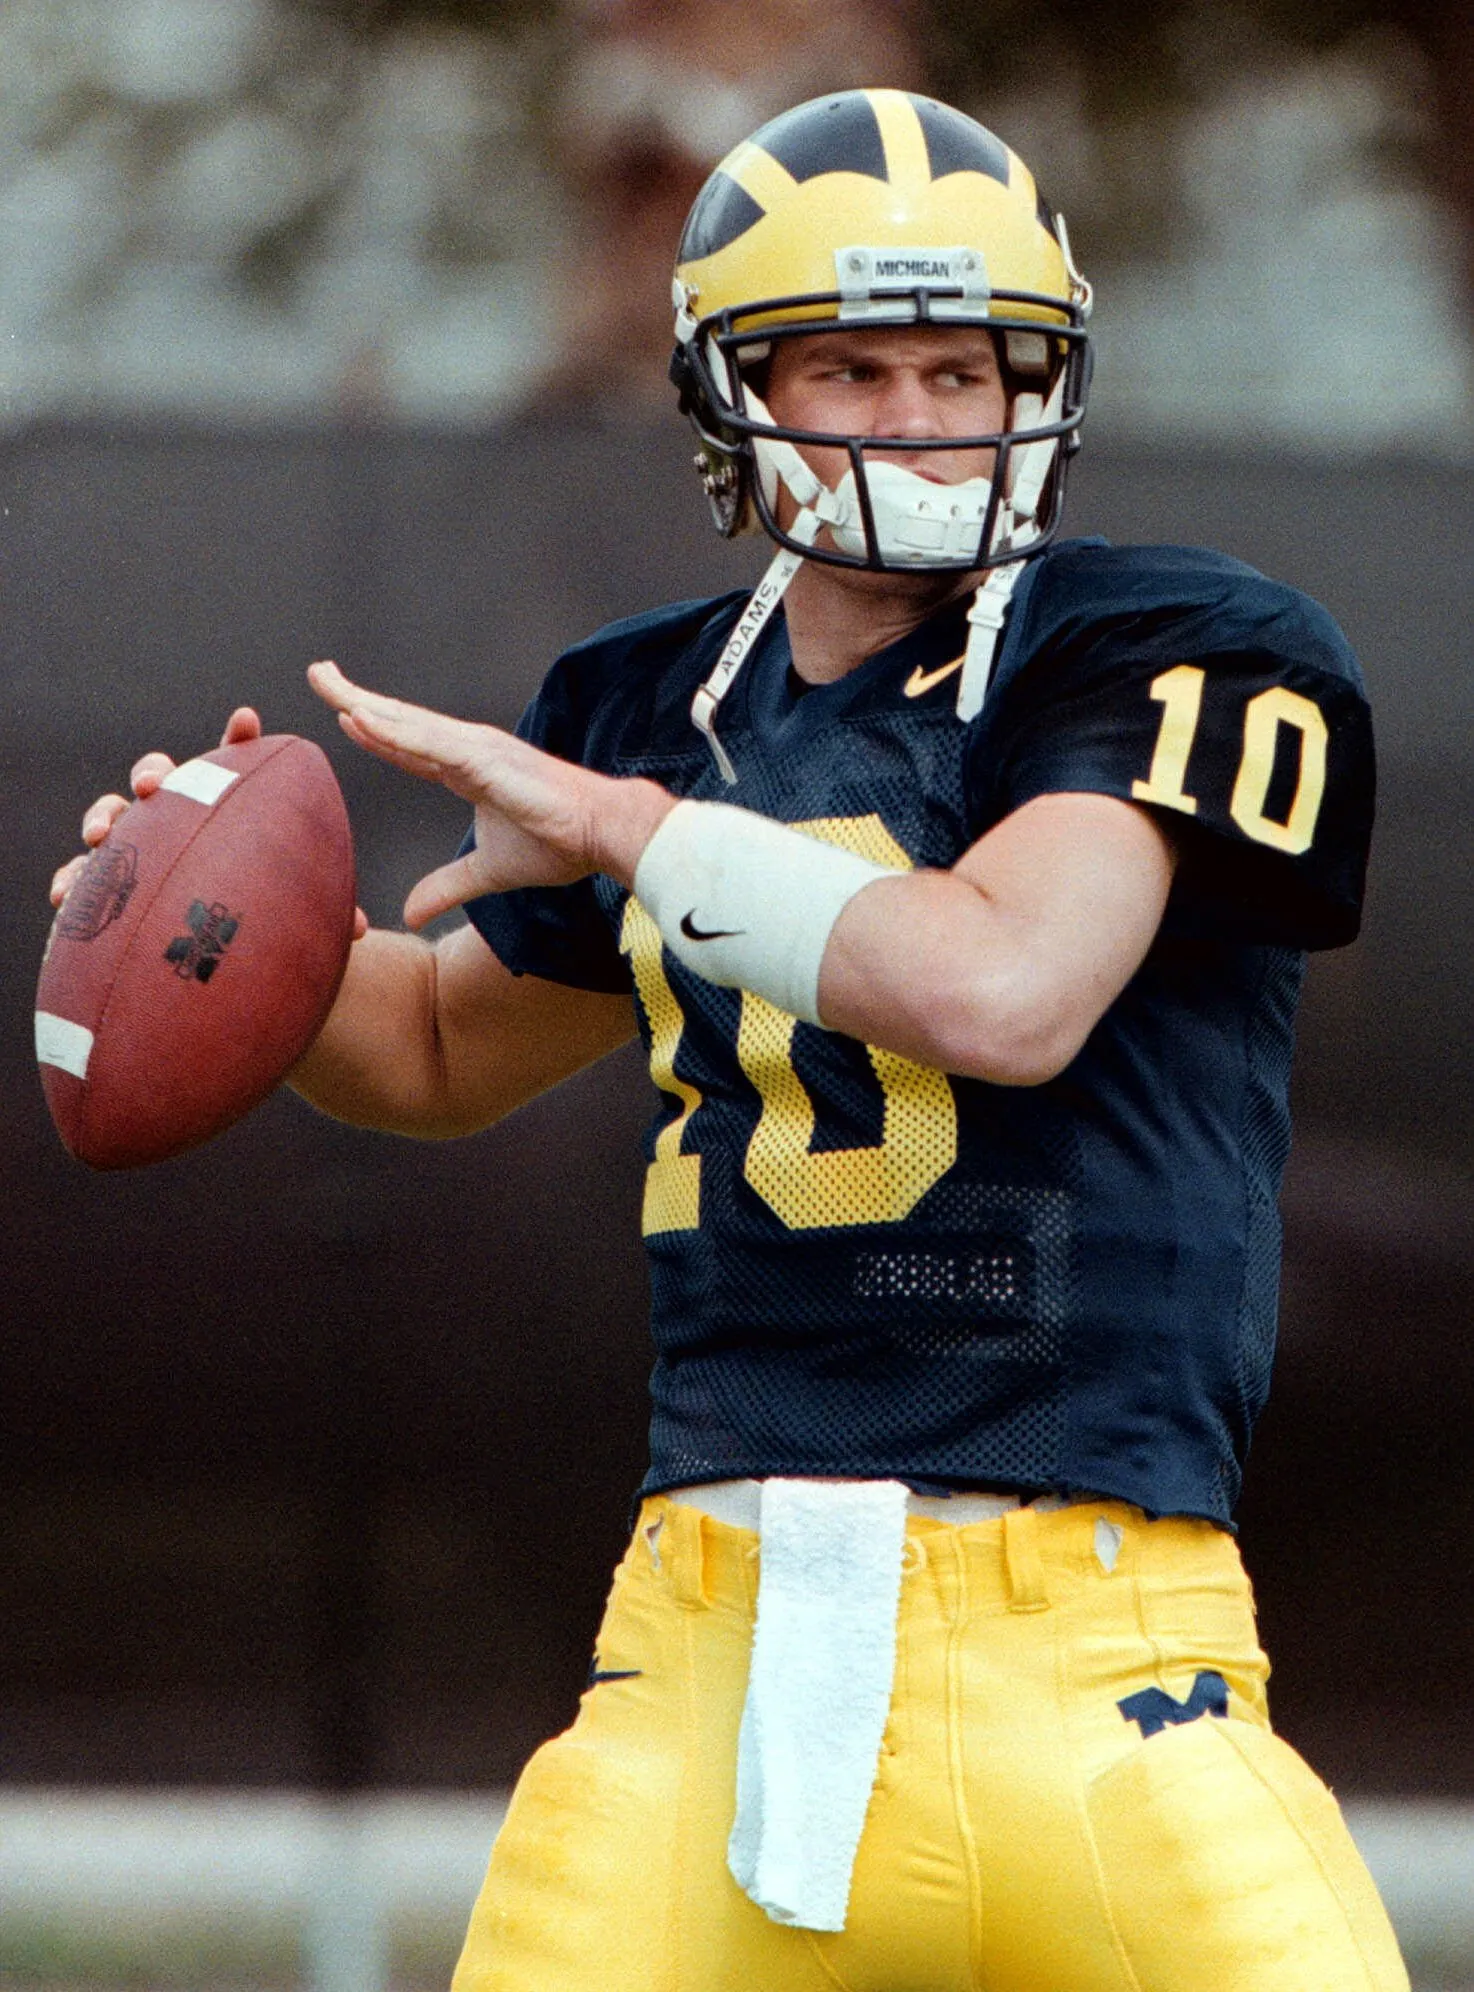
(862, 1267)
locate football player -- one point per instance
(961, 878)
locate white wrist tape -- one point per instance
(746, 902)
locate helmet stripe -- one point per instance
(831, 135)
(955, 144)
(758, 174)
(905, 141)
(723, 211)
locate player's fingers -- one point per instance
(147, 773)
(340, 692)
(396, 727)
(101, 816)
(64, 878)
(360, 923)
(244, 724)
(436, 893)
(479, 763)
(360, 714)
(338, 689)
(364, 734)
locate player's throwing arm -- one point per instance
(997, 969)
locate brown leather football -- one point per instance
(198, 953)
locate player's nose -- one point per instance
(906, 406)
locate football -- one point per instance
(197, 954)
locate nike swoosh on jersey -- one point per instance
(922, 681)
(695, 933)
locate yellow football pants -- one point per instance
(1025, 1834)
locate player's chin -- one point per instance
(932, 585)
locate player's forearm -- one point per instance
(925, 965)
(394, 1056)
(1001, 968)
(443, 1040)
(378, 1061)
(999, 976)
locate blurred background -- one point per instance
(340, 329)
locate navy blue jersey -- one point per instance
(866, 1268)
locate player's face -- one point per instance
(924, 381)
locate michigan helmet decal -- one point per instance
(879, 207)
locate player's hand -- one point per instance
(539, 820)
(144, 779)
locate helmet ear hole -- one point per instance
(724, 478)
(683, 378)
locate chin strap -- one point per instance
(1028, 470)
(750, 626)
(818, 508)
(985, 621)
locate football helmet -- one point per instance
(877, 208)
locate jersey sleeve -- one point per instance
(1241, 721)
(557, 932)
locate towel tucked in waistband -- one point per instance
(818, 1693)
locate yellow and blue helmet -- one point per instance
(880, 207)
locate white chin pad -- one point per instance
(915, 520)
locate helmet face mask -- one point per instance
(956, 524)
(912, 217)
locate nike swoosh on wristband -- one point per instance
(922, 681)
(695, 933)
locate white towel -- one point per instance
(819, 1692)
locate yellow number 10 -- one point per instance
(1180, 693)
(805, 1187)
